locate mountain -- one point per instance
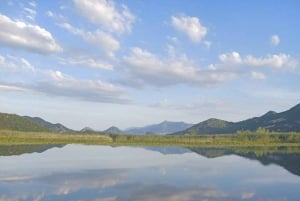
(161, 128)
(210, 126)
(287, 121)
(19, 123)
(87, 130)
(58, 128)
(113, 130)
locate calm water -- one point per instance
(103, 173)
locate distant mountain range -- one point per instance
(164, 127)
(287, 121)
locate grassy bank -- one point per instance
(240, 139)
(17, 137)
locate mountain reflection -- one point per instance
(10, 150)
(103, 173)
(282, 156)
(286, 157)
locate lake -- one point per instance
(104, 173)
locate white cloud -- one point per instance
(277, 61)
(62, 85)
(87, 62)
(257, 76)
(173, 39)
(232, 58)
(56, 83)
(19, 75)
(50, 13)
(30, 13)
(190, 26)
(98, 38)
(275, 40)
(2, 59)
(107, 14)
(32, 4)
(10, 88)
(56, 16)
(147, 68)
(26, 64)
(103, 40)
(15, 64)
(20, 35)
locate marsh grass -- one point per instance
(250, 139)
(17, 137)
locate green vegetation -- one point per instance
(286, 121)
(243, 138)
(17, 137)
(58, 128)
(18, 123)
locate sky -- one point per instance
(99, 63)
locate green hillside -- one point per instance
(210, 126)
(18, 123)
(287, 121)
(58, 128)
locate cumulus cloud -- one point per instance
(275, 40)
(232, 58)
(21, 35)
(113, 18)
(146, 68)
(105, 41)
(277, 61)
(191, 26)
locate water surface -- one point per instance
(103, 173)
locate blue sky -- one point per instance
(99, 63)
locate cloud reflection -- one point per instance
(172, 193)
(135, 174)
(62, 185)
